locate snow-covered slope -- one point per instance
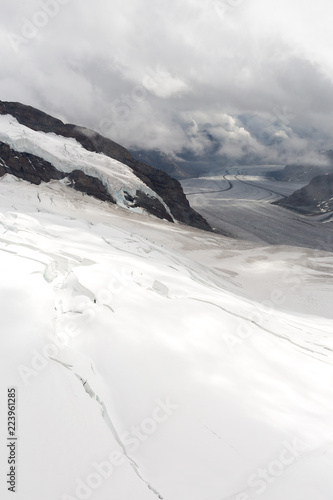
(156, 361)
(66, 155)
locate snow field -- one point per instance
(149, 363)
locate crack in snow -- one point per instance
(106, 417)
(302, 348)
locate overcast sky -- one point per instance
(244, 75)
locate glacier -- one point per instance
(155, 360)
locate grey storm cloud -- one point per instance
(236, 77)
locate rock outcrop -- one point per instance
(26, 166)
(89, 185)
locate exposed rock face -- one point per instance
(89, 185)
(26, 166)
(314, 199)
(167, 188)
(171, 192)
(151, 205)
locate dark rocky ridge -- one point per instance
(26, 166)
(313, 199)
(166, 187)
(89, 185)
(148, 203)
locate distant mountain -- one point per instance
(185, 166)
(154, 190)
(314, 199)
(160, 160)
(299, 173)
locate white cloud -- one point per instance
(139, 70)
(162, 84)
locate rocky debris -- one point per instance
(166, 187)
(313, 199)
